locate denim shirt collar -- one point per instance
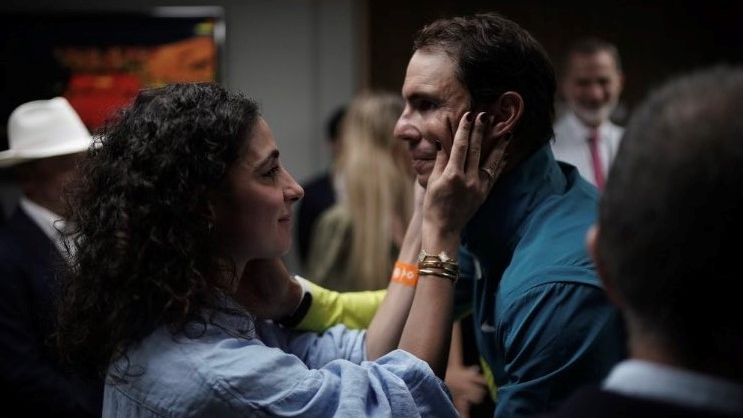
(227, 315)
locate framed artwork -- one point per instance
(99, 61)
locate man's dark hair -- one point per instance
(670, 218)
(495, 55)
(591, 46)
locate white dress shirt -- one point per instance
(571, 144)
(48, 221)
(643, 379)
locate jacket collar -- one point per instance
(496, 226)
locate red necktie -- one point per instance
(598, 168)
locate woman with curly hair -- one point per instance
(179, 221)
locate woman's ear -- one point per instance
(507, 112)
(593, 250)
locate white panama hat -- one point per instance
(43, 129)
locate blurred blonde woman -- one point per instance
(355, 242)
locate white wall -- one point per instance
(298, 58)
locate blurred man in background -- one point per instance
(47, 139)
(591, 85)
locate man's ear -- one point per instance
(593, 250)
(507, 111)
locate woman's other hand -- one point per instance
(267, 290)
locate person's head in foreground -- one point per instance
(667, 244)
(480, 63)
(183, 190)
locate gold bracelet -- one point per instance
(452, 277)
(450, 267)
(441, 261)
(441, 257)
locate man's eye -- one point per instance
(272, 172)
(424, 105)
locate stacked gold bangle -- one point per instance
(440, 265)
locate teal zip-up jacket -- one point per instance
(543, 324)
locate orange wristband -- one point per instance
(405, 274)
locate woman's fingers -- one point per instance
(496, 160)
(461, 143)
(475, 144)
(457, 158)
(442, 161)
(463, 160)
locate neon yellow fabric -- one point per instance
(492, 388)
(353, 309)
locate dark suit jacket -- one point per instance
(30, 378)
(597, 403)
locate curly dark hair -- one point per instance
(141, 220)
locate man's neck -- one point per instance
(48, 221)
(649, 349)
(55, 206)
(589, 124)
(39, 207)
(655, 350)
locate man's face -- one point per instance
(435, 101)
(44, 180)
(592, 86)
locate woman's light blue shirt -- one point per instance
(236, 366)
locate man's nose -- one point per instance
(596, 92)
(405, 130)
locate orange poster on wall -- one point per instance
(100, 61)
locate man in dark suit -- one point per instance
(46, 140)
(667, 247)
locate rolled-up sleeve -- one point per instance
(268, 371)
(279, 384)
(317, 349)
